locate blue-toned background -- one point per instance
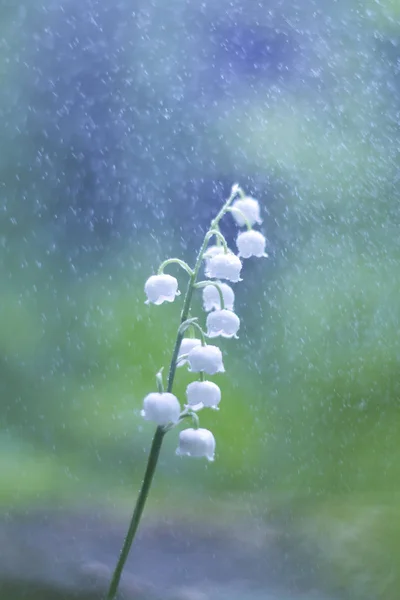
(123, 126)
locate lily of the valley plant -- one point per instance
(191, 349)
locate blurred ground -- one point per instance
(53, 556)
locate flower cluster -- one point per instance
(220, 263)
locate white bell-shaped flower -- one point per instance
(186, 346)
(197, 443)
(161, 408)
(222, 323)
(212, 251)
(251, 243)
(207, 359)
(224, 266)
(203, 394)
(249, 208)
(161, 288)
(212, 300)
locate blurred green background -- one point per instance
(123, 126)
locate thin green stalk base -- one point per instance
(137, 513)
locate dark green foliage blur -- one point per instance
(123, 126)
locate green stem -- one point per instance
(203, 284)
(160, 431)
(179, 337)
(137, 513)
(159, 380)
(194, 325)
(191, 287)
(190, 414)
(241, 213)
(220, 238)
(176, 261)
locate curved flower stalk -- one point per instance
(162, 407)
(186, 346)
(246, 211)
(212, 296)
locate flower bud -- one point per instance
(161, 408)
(203, 394)
(250, 209)
(212, 300)
(224, 266)
(187, 344)
(161, 288)
(251, 243)
(207, 359)
(197, 443)
(222, 323)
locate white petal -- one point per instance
(213, 251)
(196, 443)
(211, 299)
(250, 209)
(186, 346)
(161, 408)
(222, 323)
(207, 359)
(161, 288)
(197, 407)
(203, 394)
(251, 243)
(224, 266)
